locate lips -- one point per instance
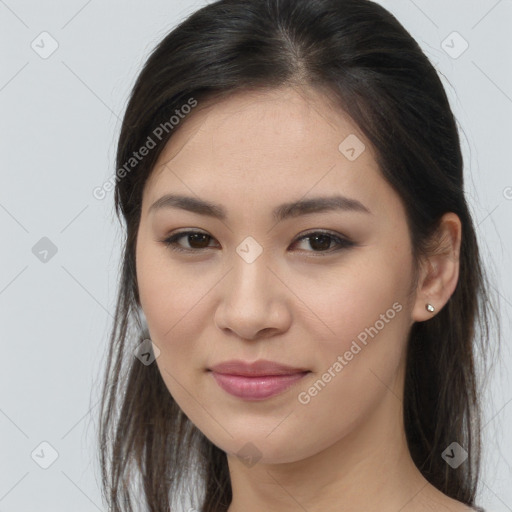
(258, 380)
(255, 369)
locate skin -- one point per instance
(296, 304)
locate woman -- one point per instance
(301, 280)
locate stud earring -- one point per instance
(430, 308)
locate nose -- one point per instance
(254, 301)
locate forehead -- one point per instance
(280, 142)
(259, 123)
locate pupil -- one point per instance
(195, 237)
(325, 245)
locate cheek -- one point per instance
(370, 288)
(363, 332)
(174, 306)
(172, 299)
(357, 367)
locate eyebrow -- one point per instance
(280, 213)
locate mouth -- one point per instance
(256, 381)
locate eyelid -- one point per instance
(343, 242)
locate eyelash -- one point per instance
(343, 243)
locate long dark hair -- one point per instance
(362, 58)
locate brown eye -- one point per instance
(320, 241)
(196, 240)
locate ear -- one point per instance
(439, 271)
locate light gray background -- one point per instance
(59, 123)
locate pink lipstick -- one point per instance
(255, 381)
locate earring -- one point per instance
(430, 308)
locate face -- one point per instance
(321, 287)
